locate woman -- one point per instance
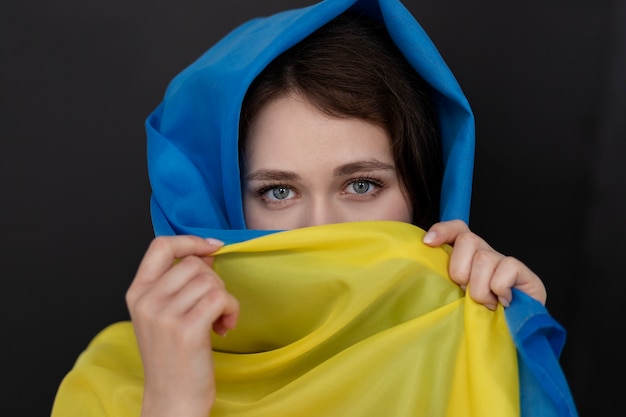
(341, 122)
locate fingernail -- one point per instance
(429, 237)
(491, 307)
(504, 301)
(214, 242)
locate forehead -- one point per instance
(290, 131)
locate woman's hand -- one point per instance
(174, 301)
(489, 274)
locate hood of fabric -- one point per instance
(193, 161)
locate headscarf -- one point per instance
(193, 159)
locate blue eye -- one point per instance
(361, 187)
(280, 193)
(364, 187)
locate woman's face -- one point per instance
(304, 168)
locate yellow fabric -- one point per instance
(353, 319)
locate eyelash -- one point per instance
(376, 182)
(260, 192)
(379, 184)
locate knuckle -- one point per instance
(467, 238)
(483, 257)
(218, 298)
(193, 264)
(205, 282)
(510, 262)
(130, 296)
(459, 224)
(160, 243)
(216, 295)
(142, 309)
(499, 287)
(458, 274)
(213, 279)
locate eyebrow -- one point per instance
(360, 166)
(272, 175)
(347, 169)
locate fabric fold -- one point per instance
(344, 319)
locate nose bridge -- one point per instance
(322, 209)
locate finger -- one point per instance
(194, 289)
(161, 256)
(189, 268)
(148, 299)
(164, 250)
(218, 307)
(484, 264)
(466, 245)
(445, 232)
(226, 322)
(512, 273)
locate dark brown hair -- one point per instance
(350, 67)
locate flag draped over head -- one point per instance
(193, 154)
(353, 319)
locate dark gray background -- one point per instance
(546, 80)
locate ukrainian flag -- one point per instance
(352, 319)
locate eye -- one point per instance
(364, 187)
(280, 193)
(360, 186)
(276, 193)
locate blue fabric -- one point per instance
(194, 168)
(192, 135)
(544, 391)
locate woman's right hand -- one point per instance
(174, 301)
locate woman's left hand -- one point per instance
(488, 274)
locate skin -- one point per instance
(303, 168)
